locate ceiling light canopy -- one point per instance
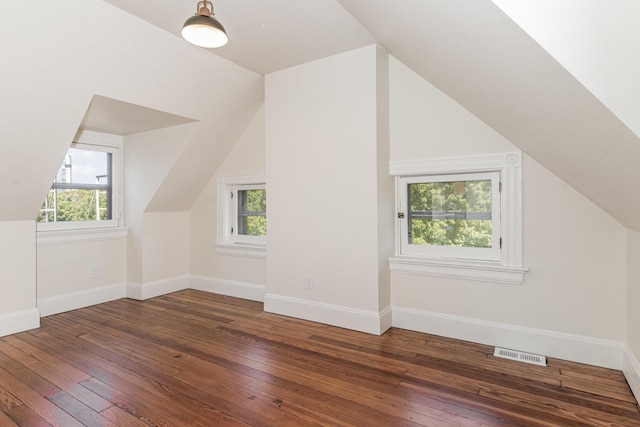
(203, 29)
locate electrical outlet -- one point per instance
(94, 272)
(308, 282)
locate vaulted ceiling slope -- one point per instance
(471, 50)
(478, 56)
(79, 55)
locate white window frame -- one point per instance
(229, 242)
(103, 142)
(504, 267)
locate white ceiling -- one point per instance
(477, 55)
(122, 118)
(265, 35)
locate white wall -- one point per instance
(17, 276)
(148, 157)
(322, 186)
(76, 274)
(66, 267)
(48, 80)
(166, 246)
(152, 251)
(325, 147)
(632, 353)
(17, 267)
(155, 249)
(219, 272)
(94, 48)
(427, 123)
(385, 184)
(574, 251)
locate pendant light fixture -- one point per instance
(203, 29)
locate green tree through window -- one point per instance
(83, 189)
(73, 205)
(252, 212)
(450, 213)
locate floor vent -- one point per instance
(520, 356)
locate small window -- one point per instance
(451, 215)
(243, 212)
(460, 217)
(85, 191)
(250, 213)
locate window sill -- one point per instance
(246, 250)
(62, 237)
(483, 271)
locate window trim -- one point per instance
(228, 243)
(104, 142)
(509, 268)
(64, 237)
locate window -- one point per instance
(243, 215)
(450, 215)
(249, 213)
(86, 190)
(460, 217)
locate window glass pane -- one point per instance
(82, 189)
(74, 205)
(450, 213)
(252, 212)
(83, 167)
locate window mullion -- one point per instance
(79, 186)
(109, 186)
(242, 212)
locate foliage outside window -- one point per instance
(451, 215)
(84, 193)
(251, 211)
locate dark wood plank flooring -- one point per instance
(197, 359)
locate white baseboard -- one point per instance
(143, 291)
(345, 317)
(19, 321)
(578, 348)
(80, 299)
(230, 288)
(631, 369)
(386, 316)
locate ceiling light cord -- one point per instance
(204, 10)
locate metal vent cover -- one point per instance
(520, 356)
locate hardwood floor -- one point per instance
(197, 359)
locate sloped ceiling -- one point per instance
(478, 56)
(51, 76)
(475, 53)
(122, 118)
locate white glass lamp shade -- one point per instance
(204, 31)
